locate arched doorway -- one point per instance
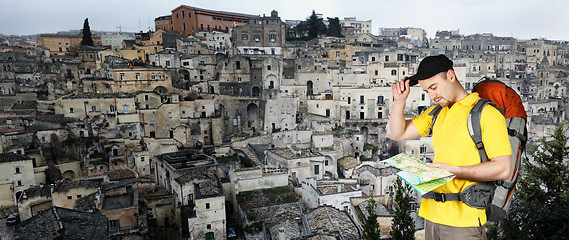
(253, 116)
(185, 74)
(255, 92)
(69, 174)
(160, 90)
(309, 88)
(272, 81)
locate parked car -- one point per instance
(231, 233)
(13, 219)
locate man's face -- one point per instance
(439, 89)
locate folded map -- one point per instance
(417, 174)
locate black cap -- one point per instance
(430, 66)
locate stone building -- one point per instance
(261, 36)
(18, 175)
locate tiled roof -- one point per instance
(68, 185)
(87, 203)
(287, 220)
(330, 221)
(61, 223)
(11, 157)
(120, 174)
(348, 162)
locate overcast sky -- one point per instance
(522, 19)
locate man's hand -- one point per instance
(401, 90)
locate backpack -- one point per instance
(494, 196)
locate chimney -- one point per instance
(282, 235)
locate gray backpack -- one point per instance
(493, 196)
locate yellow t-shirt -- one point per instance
(453, 145)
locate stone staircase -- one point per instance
(5, 212)
(251, 155)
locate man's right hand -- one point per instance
(401, 90)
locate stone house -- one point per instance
(335, 193)
(18, 175)
(66, 192)
(375, 178)
(34, 200)
(262, 35)
(199, 201)
(300, 163)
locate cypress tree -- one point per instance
(541, 202)
(87, 39)
(371, 226)
(402, 225)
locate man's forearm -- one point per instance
(497, 168)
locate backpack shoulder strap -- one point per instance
(475, 128)
(434, 113)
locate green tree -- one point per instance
(87, 39)
(334, 27)
(315, 26)
(402, 225)
(541, 204)
(371, 225)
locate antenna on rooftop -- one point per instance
(120, 28)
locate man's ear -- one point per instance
(451, 75)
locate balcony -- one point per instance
(123, 230)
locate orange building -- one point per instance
(164, 23)
(61, 44)
(191, 20)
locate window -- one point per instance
(399, 57)
(167, 63)
(237, 64)
(273, 37)
(209, 226)
(122, 76)
(349, 100)
(125, 108)
(170, 114)
(93, 108)
(206, 205)
(69, 197)
(17, 170)
(393, 72)
(19, 182)
(327, 112)
(71, 110)
(362, 99)
(316, 169)
(376, 72)
(257, 37)
(387, 58)
(337, 54)
(270, 109)
(183, 14)
(78, 196)
(114, 223)
(244, 36)
(379, 99)
(423, 149)
(268, 67)
(142, 159)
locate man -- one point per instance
(454, 149)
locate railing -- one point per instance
(123, 229)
